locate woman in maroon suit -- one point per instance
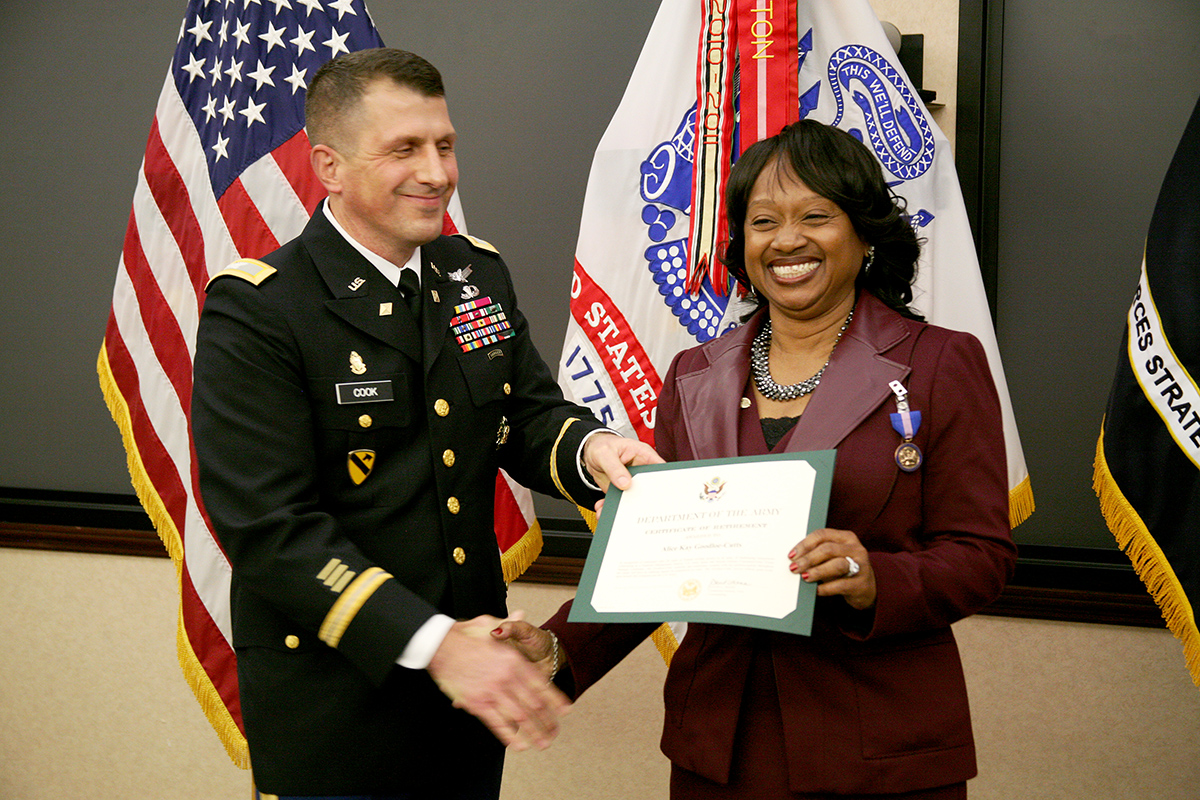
(872, 704)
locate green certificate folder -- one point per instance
(707, 541)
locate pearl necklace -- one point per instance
(760, 365)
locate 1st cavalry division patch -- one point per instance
(360, 462)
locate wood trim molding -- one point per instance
(78, 539)
(1025, 597)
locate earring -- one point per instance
(870, 258)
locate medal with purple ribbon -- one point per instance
(906, 423)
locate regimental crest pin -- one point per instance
(713, 489)
(502, 433)
(360, 463)
(356, 363)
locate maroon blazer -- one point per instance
(874, 701)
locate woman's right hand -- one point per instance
(536, 644)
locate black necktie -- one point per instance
(410, 284)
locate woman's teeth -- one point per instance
(793, 270)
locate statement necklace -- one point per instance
(760, 366)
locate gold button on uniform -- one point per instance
(441, 408)
(745, 402)
(448, 458)
(292, 642)
(507, 388)
(365, 420)
(460, 556)
(453, 505)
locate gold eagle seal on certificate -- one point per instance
(689, 589)
(712, 489)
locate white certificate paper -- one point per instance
(707, 541)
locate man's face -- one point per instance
(396, 171)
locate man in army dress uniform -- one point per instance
(355, 392)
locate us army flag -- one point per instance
(646, 283)
(645, 287)
(1148, 455)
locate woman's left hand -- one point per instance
(827, 557)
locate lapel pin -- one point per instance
(356, 363)
(385, 309)
(356, 284)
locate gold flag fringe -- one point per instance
(1020, 503)
(516, 559)
(1148, 560)
(664, 639)
(201, 685)
(589, 516)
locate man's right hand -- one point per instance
(491, 680)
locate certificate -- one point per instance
(707, 541)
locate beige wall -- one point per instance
(938, 21)
(93, 704)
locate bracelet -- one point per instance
(554, 651)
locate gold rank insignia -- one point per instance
(248, 269)
(360, 462)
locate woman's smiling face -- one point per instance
(802, 253)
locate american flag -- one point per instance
(225, 176)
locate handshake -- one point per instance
(500, 671)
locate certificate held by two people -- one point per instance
(707, 541)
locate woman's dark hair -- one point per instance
(840, 168)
